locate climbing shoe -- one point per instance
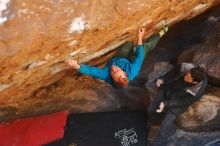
(163, 30)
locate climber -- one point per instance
(178, 89)
(125, 64)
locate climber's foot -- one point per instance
(163, 30)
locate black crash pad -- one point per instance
(105, 129)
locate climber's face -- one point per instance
(119, 76)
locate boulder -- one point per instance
(203, 115)
(187, 55)
(208, 54)
(36, 36)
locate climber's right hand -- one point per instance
(72, 63)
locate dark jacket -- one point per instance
(179, 95)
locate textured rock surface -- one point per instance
(36, 36)
(204, 115)
(208, 55)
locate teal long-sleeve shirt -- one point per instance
(132, 68)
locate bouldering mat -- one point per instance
(105, 129)
(33, 131)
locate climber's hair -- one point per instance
(124, 83)
(198, 74)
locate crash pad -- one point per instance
(33, 131)
(126, 128)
